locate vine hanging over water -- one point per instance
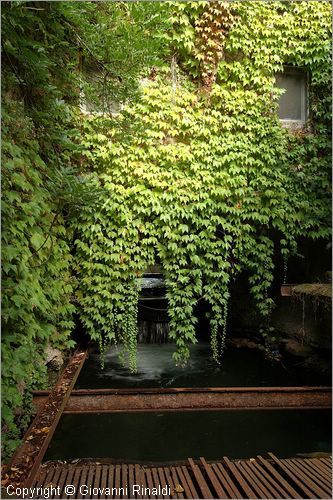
(201, 183)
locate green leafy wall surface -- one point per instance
(36, 310)
(199, 174)
(43, 186)
(37, 282)
(196, 171)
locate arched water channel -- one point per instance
(162, 436)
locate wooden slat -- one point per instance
(305, 478)
(292, 476)
(176, 481)
(242, 483)
(315, 464)
(200, 480)
(138, 474)
(184, 483)
(291, 490)
(40, 476)
(104, 480)
(190, 483)
(257, 484)
(327, 460)
(76, 479)
(314, 475)
(131, 480)
(275, 487)
(259, 493)
(323, 465)
(157, 482)
(169, 478)
(61, 483)
(124, 482)
(226, 481)
(144, 479)
(97, 480)
(111, 476)
(163, 480)
(117, 480)
(219, 490)
(69, 480)
(84, 476)
(48, 479)
(90, 479)
(150, 481)
(56, 477)
(271, 492)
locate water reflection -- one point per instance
(156, 368)
(167, 436)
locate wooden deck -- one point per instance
(253, 478)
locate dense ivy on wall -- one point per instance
(200, 175)
(37, 284)
(43, 45)
(36, 150)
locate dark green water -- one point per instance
(156, 368)
(170, 436)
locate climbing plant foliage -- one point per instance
(200, 175)
(37, 283)
(43, 45)
(36, 150)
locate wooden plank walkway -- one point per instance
(258, 477)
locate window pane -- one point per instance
(292, 104)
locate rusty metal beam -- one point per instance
(212, 398)
(28, 457)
